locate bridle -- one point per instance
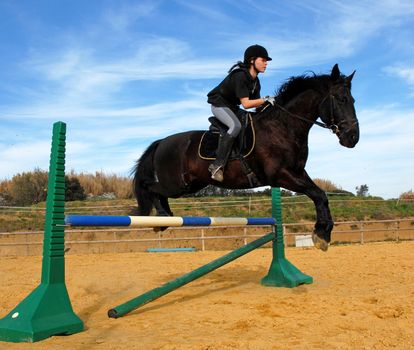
(332, 126)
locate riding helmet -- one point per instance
(255, 51)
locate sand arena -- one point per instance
(362, 298)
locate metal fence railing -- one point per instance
(119, 240)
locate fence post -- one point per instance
(203, 243)
(250, 204)
(362, 231)
(397, 231)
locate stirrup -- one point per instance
(216, 172)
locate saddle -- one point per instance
(243, 145)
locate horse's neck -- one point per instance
(288, 120)
(304, 106)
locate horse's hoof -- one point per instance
(320, 243)
(159, 228)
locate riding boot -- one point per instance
(223, 153)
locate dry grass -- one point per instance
(409, 195)
(99, 183)
(327, 185)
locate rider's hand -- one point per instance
(269, 99)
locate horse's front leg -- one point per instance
(324, 223)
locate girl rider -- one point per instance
(240, 87)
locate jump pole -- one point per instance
(282, 273)
(164, 221)
(166, 288)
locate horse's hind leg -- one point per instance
(163, 209)
(146, 200)
(162, 206)
(164, 203)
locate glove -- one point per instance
(269, 99)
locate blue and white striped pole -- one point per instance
(163, 221)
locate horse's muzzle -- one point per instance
(349, 137)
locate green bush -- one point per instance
(31, 188)
(74, 191)
(28, 188)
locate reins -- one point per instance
(333, 127)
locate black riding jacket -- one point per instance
(238, 84)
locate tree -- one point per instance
(29, 188)
(74, 191)
(362, 191)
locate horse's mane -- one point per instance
(296, 85)
(292, 87)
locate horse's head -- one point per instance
(337, 109)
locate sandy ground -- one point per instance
(362, 298)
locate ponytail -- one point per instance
(238, 65)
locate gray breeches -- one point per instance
(227, 117)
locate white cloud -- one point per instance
(23, 157)
(153, 113)
(341, 30)
(403, 72)
(207, 11)
(121, 17)
(78, 75)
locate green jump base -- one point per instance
(282, 273)
(45, 312)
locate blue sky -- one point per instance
(122, 74)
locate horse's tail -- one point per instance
(144, 176)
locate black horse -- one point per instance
(171, 167)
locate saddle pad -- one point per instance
(209, 142)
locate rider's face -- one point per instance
(260, 64)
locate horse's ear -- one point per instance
(348, 79)
(335, 73)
